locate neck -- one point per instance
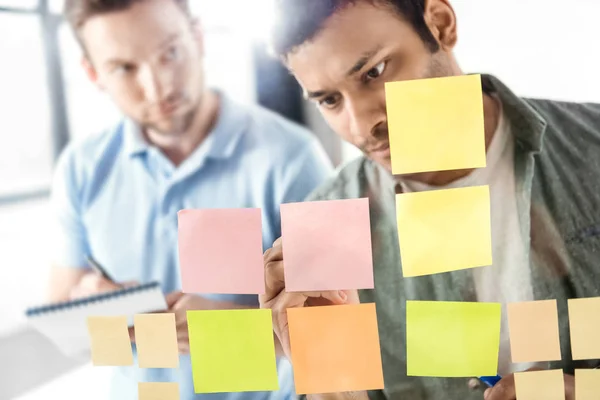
(491, 112)
(178, 147)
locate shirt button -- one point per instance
(474, 384)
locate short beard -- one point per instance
(182, 124)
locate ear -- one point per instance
(441, 19)
(90, 71)
(198, 35)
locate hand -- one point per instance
(179, 303)
(505, 389)
(278, 300)
(92, 283)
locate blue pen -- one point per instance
(490, 380)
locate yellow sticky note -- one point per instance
(156, 340)
(538, 385)
(436, 124)
(584, 324)
(533, 330)
(158, 391)
(232, 351)
(587, 384)
(110, 342)
(444, 230)
(452, 339)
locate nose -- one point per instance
(364, 117)
(150, 83)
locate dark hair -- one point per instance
(301, 20)
(77, 12)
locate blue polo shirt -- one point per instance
(116, 197)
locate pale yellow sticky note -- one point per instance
(584, 323)
(156, 340)
(444, 230)
(533, 329)
(587, 384)
(436, 124)
(158, 391)
(110, 342)
(538, 385)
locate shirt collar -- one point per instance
(527, 125)
(134, 142)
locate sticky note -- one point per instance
(533, 330)
(156, 340)
(327, 245)
(335, 348)
(436, 124)
(110, 341)
(537, 385)
(158, 391)
(208, 264)
(232, 351)
(587, 384)
(444, 230)
(452, 339)
(584, 324)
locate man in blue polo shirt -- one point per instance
(116, 195)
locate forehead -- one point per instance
(135, 31)
(345, 38)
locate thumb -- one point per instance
(173, 298)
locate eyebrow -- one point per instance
(117, 61)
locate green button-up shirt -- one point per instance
(557, 175)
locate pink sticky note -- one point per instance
(220, 251)
(327, 245)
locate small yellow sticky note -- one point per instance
(158, 391)
(232, 351)
(584, 324)
(444, 230)
(538, 385)
(156, 340)
(452, 339)
(436, 124)
(587, 384)
(110, 341)
(533, 330)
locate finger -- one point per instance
(336, 297)
(503, 390)
(173, 298)
(278, 241)
(130, 284)
(274, 278)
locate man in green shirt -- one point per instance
(543, 170)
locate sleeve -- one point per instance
(69, 245)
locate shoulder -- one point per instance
(570, 120)
(349, 181)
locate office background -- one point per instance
(540, 48)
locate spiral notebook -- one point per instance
(64, 324)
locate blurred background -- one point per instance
(540, 48)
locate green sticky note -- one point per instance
(232, 351)
(452, 339)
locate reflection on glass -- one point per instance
(26, 139)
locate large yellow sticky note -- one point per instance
(436, 124)
(158, 391)
(452, 339)
(156, 340)
(232, 351)
(110, 341)
(587, 384)
(538, 385)
(444, 230)
(584, 324)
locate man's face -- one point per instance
(344, 68)
(148, 58)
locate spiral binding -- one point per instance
(38, 311)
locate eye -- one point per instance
(376, 71)
(171, 54)
(124, 69)
(328, 102)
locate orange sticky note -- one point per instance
(158, 391)
(444, 230)
(156, 340)
(436, 124)
(110, 342)
(327, 245)
(538, 385)
(587, 384)
(533, 329)
(584, 324)
(208, 265)
(335, 348)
